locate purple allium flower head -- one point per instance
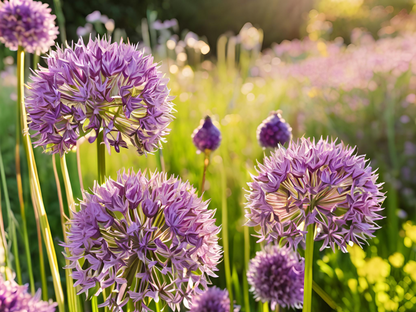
(315, 182)
(15, 298)
(276, 276)
(27, 23)
(143, 238)
(274, 130)
(206, 136)
(101, 86)
(212, 300)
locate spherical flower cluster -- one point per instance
(101, 86)
(143, 239)
(274, 130)
(321, 183)
(206, 136)
(27, 23)
(212, 300)
(276, 276)
(15, 298)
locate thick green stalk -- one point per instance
(246, 264)
(101, 158)
(21, 200)
(71, 290)
(12, 223)
(101, 180)
(45, 295)
(307, 290)
(266, 307)
(61, 19)
(157, 306)
(225, 235)
(35, 186)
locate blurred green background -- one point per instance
(348, 72)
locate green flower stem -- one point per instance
(157, 306)
(61, 19)
(325, 297)
(3, 237)
(206, 164)
(225, 234)
(35, 186)
(101, 158)
(161, 160)
(246, 263)
(101, 180)
(307, 291)
(266, 307)
(94, 304)
(11, 221)
(71, 290)
(12, 224)
(79, 167)
(45, 296)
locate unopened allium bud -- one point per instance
(276, 276)
(206, 136)
(321, 183)
(27, 23)
(274, 130)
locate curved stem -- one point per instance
(35, 186)
(206, 164)
(307, 290)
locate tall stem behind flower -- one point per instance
(61, 19)
(101, 180)
(12, 222)
(206, 164)
(307, 290)
(225, 234)
(72, 297)
(35, 185)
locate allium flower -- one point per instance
(323, 183)
(27, 23)
(15, 298)
(143, 239)
(276, 276)
(206, 136)
(101, 86)
(212, 300)
(274, 130)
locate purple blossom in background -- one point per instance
(213, 299)
(143, 238)
(101, 86)
(315, 182)
(206, 136)
(28, 24)
(159, 25)
(276, 276)
(274, 130)
(15, 298)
